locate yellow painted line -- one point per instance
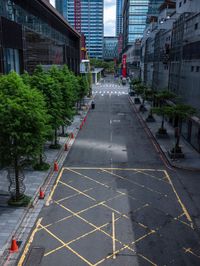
(77, 190)
(21, 261)
(87, 177)
(135, 183)
(113, 234)
(111, 168)
(179, 201)
(145, 258)
(54, 187)
(152, 176)
(126, 247)
(78, 238)
(189, 250)
(74, 195)
(66, 246)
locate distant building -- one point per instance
(119, 9)
(32, 33)
(153, 9)
(110, 48)
(90, 13)
(134, 21)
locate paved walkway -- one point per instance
(192, 157)
(10, 217)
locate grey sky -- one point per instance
(109, 16)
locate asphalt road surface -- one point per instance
(115, 202)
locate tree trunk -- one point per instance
(16, 166)
(55, 138)
(162, 125)
(179, 134)
(63, 130)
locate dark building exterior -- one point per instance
(32, 33)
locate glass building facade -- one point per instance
(91, 24)
(119, 7)
(41, 36)
(110, 48)
(153, 8)
(134, 20)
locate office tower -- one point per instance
(119, 7)
(88, 15)
(153, 9)
(134, 20)
(61, 6)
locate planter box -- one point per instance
(137, 101)
(176, 155)
(150, 119)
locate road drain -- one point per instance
(34, 256)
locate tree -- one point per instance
(51, 90)
(23, 127)
(179, 112)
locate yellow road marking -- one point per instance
(113, 234)
(128, 247)
(20, 263)
(77, 190)
(154, 177)
(54, 187)
(111, 168)
(66, 246)
(78, 238)
(179, 200)
(133, 182)
(189, 250)
(74, 195)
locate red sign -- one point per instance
(124, 66)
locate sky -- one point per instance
(109, 16)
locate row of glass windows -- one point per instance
(14, 12)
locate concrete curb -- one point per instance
(156, 141)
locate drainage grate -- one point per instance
(34, 256)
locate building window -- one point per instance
(180, 3)
(196, 26)
(197, 69)
(12, 62)
(192, 68)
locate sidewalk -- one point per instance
(19, 221)
(192, 157)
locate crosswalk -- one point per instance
(109, 89)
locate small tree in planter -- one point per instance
(180, 112)
(163, 111)
(149, 96)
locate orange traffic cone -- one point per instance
(72, 135)
(14, 246)
(41, 195)
(55, 166)
(66, 147)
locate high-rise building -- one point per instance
(91, 22)
(110, 48)
(134, 20)
(153, 9)
(119, 7)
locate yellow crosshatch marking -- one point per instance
(163, 178)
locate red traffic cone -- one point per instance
(14, 246)
(41, 195)
(72, 135)
(66, 147)
(55, 166)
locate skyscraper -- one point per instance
(91, 18)
(119, 7)
(134, 20)
(153, 8)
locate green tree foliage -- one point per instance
(107, 65)
(23, 123)
(51, 90)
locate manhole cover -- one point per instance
(34, 256)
